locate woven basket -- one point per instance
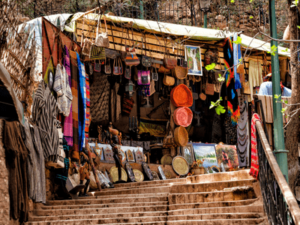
(180, 72)
(183, 116)
(181, 96)
(181, 136)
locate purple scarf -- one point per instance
(68, 123)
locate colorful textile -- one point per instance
(237, 55)
(254, 154)
(68, 123)
(81, 103)
(228, 60)
(88, 115)
(75, 81)
(63, 90)
(228, 91)
(255, 75)
(156, 128)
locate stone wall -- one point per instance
(4, 195)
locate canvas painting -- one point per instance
(188, 153)
(130, 156)
(227, 155)
(193, 58)
(207, 153)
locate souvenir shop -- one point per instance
(124, 100)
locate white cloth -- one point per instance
(63, 90)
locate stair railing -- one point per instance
(279, 201)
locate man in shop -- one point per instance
(266, 87)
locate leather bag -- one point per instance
(97, 67)
(170, 63)
(102, 38)
(131, 58)
(127, 74)
(107, 67)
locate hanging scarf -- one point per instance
(228, 60)
(88, 115)
(68, 123)
(81, 103)
(254, 154)
(237, 55)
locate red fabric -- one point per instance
(183, 116)
(181, 96)
(254, 154)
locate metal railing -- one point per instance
(279, 202)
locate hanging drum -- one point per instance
(183, 116)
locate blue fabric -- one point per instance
(237, 55)
(266, 89)
(81, 103)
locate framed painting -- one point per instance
(227, 155)
(188, 153)
(130, 156)
(207, 153)
(193, 58)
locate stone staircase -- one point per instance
(225, 198)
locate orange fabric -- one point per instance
(181, 96)
(183, 116)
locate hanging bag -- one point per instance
(144, 77)
(131, 58)
(127, 74)
(146, 60)
(170, 63)
(97, 67)
(120, 66)
(107, 67)
(116, 70)
(102, 39)
(168, 80)
(154, 74)
(86, 45)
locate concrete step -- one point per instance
(217, 196)
(208, 187)
(95, 200)
(103, 206)
(151, 183)
(225, 218)
(85, 211)
(215, 210)
(146, 190)
(213, 204)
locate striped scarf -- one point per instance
(254, 154)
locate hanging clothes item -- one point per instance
(88, 106)
(254, 170)
(243, 133)
(255, 75)
(75, 82)
(237, 55)
(44, 113)
(100, 98)
(16, 162)
(81, 103)
(62, 88)
(228, 91)
(68, 122)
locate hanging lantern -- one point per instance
(205, 5)
(129, 88)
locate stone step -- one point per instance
(215, 210)
(260, 221)
(159, 218)
(103, 206)
(217, 196)
(151, 183)
(208, 187)
(146, 190)
(213, 204)
(84, 211)
(89, 201)
(92, 195)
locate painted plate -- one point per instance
(166, 160)
(139, 176)
(180, 165)
(129, 172)
(115, 174)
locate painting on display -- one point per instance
(188, 153)
(207, 153)
(193, 58)
(130, 156)
(227, 155)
